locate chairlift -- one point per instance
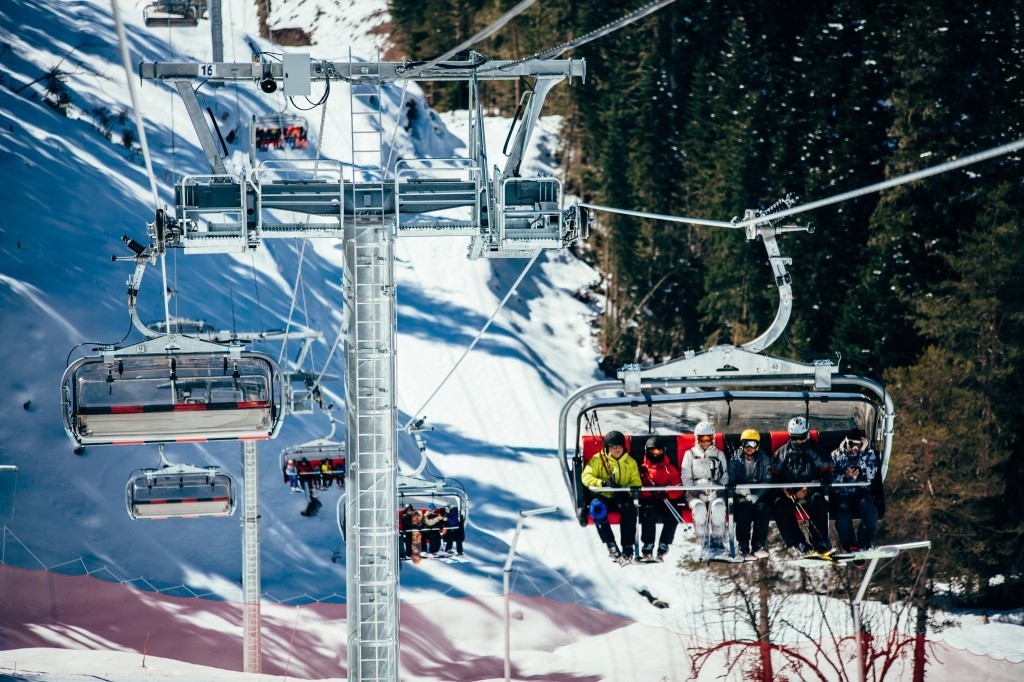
(279, 131)
(172, 388)
(733, 387)
(179, 491)
(421, 494)
(175, 12)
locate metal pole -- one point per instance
(250, 559)
(505, 581)
(371, 557)
(861, 671)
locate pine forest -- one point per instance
(709, 108)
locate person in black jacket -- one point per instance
(799, 462)
(751, 506)
(854, 461)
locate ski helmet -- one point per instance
(613, 438)
(653, 449)
(704, 428)
(798, 426)
(750, 434)
(598, 510)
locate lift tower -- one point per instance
(504, 213)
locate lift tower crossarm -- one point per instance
(363, 72)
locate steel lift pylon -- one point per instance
(504, 214)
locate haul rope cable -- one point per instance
(482, 35)
(877, 187)
(593, 35)
(473, 343)
(143, 143)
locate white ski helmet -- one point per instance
(704, 428)
(798, 426)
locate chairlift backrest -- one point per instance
(179, 492)
(171, 397)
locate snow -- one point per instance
(120, 592)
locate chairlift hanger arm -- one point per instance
(363, 72)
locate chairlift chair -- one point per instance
(733, 387)
(423, 493)
(279, 131)
(180, 491)
(172, 389)
(174, 12)
(670, 409)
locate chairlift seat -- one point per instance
(180, 492)
(174, 12)
(676, 446)
(151, 398)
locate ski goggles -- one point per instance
(705, 439)
(750, 444)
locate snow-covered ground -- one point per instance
(70, 193)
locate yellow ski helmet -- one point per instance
(750, 434)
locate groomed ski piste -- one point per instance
(86, 591)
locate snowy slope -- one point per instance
(68, 197)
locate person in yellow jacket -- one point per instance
(613, 468)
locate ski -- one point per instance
(883, 552)
(813, 560)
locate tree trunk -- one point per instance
(764, 644)
(921, 625)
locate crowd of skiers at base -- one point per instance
(303, 475)
(435, 524)
(797, 461)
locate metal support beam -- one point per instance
(250, 560)
(868, 574)
(216, 31)
(506, 582)
(202, 128)
(497, 70)
(371, 559)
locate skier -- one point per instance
(656, 470)
(752, 506)
(799, 462)
(612, 468)
(292, 472)
(854, 461)
(705, 464)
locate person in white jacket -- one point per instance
(705, 464)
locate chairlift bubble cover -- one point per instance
(179, 492)
(153, 398)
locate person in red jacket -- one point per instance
(656, 470)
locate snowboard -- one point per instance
(417, 546)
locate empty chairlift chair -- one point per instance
(174, 12)
(172, 389)
(179, 491)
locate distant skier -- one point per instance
(705, 464)
(855, 461)
(656, 470)
(613, 468)
(313, 507)
(291, 473)
(751, 506)
(798, 462)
